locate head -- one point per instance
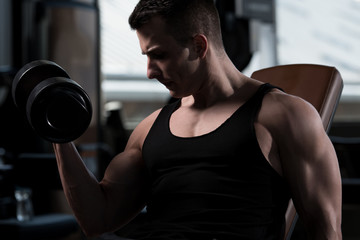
(183, 18)
(175, 35)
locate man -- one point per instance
(223, 161)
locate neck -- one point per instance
(222, 82)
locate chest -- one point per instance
(235, 119)
(186, 122)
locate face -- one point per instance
(174, 65)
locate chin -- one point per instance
(175, 94)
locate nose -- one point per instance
(153, 70)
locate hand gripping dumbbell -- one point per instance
(56, 107)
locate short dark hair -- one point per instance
(183, 18)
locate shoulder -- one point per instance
(139, 134)
(281, 107)
(287, 116)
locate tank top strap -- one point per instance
(257, 99)
(161, 123)
(168, 109)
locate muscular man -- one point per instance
(223, 161)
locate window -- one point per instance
(121, 55)
(323, 32)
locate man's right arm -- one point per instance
(111, 203)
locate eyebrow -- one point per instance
(150, 50)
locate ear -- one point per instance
(201, 45)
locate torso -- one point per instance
(227, 152)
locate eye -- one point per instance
(157, 56)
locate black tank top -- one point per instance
(215, 186)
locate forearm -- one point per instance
(325, 231)
(81, 188)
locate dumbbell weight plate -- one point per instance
(59, 110)
(29, 76)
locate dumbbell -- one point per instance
(56, 107)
